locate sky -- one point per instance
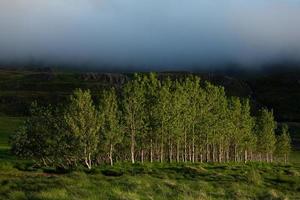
(149, 34)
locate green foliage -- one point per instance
(83, 124)
(148, 119)
(265, 128)
(283, 144)
(111, 117)
(134, 113)
(39, 137)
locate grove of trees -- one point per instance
(151, 120)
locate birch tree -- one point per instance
(110, 115)
(133, 110)
(266, 139)
(81, 118)
(283, 144)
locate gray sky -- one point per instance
(151, 34)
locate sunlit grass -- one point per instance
(156, 181)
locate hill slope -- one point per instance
(279, 91)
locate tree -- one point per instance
(110, 115)
(133, 110)
(283, 144)
(42, 138)
(176, 111)
(248, 139)
(265, 128)
(82, 122)
(157, 118)
(235, 115)
(34, 139)
(152, 85)
(163, 114)
(214, 120)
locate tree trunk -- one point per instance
(220, 153)
(245, 156)
(151, 151)
(44, 162)
(162, 149)
(213, 153)
(235, 153)
(271, 157)
(111, 155)
(178, 151)
(171, 153)
(259, 157)
(88, 161)
(196, 155)
(227, 155)
(190, 152)
(285, 158)
(132, 148)
(207, 150)
(142, 156)
(193, 145)
(185, 147)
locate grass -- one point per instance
(18, 180)
(156, 181)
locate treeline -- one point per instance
(151, 120)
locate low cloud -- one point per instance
(149, 34)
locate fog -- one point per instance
(149, 34)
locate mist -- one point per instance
(149, 34)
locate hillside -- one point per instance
(18, 87)
(279, 91)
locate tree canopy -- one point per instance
(151, 119)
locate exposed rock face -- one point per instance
(106, 78)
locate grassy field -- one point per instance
(219, 181)
(7, 126)
(18, 180)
